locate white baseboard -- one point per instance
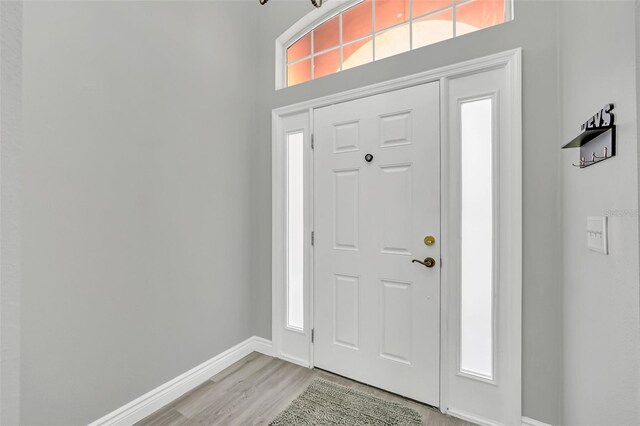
(526, 421)
(262, 345)
(153, 400)
(471, 418)
(294, 360)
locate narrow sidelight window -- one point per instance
(295, 230)
(477, 238)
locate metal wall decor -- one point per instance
(594, 149)
(316, 3)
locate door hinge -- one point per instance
(312, 141)
(313, 335)
(313, 238)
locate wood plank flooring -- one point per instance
(254, 390)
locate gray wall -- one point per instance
(138, 127)
(147, 197)
(534, 29)
(638, 107)
(10, 115)
(601, 307)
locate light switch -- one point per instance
(597, 234)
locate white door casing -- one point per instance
(377, 314)
(486, 399)
(509, 249)
(290, 343)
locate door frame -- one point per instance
(509, 60)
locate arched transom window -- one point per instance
(375, 29)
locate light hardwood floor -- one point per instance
(254, 390)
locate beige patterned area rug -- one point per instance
(326, 403)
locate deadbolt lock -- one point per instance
(429, 240)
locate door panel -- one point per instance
(396, 189)
(377, 314)
(345, 207)
(345, 321)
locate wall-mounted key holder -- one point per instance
(593, 148)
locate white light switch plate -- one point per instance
(597, 234)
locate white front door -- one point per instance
(376, 198)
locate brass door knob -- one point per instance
(429, 262)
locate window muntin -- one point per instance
(327, 35)
(392, 41)
(326, 63)
(424, 7)
(357, 53)
(432, 28)
(389, 13)
(375, 29)
(357, 21)
(300, 49)
(299, 72)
